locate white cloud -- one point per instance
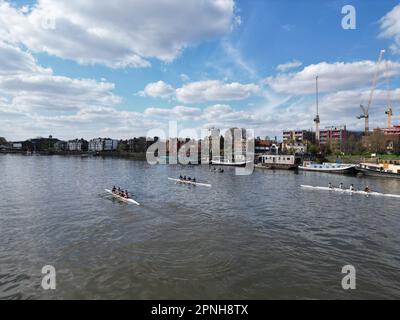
(30, 94)
(289, 65)
(157, 89)
(36, 102)
(184, 77)
(332, 77)
(390, 28)
(119, 33)
(201, 91)
(15, 61)
(220, 115)
(345, 105)
(176, 113)
(215, 90)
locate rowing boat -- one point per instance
(348, 191)
(191, 182)
(122, 198)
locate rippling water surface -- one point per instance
(248, 237)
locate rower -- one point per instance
(330, 186)
(113, 189)
(367, 189)
(194, 180)
(341, 185)
(180, 177)
(352, 187)
(126, 194)
(189, 179)
(184, 177)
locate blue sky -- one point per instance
(99, 68)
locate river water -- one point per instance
(248, 237)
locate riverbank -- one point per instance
(356, 159)
(140, 156)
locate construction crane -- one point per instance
(389, 110)
(317, 119)
(365, 114)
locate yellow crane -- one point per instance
(389, 110)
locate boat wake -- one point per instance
(348, 191)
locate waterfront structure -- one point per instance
(295, 147)
(298, 136)
(101, 144)
(17, 145)
(137, 144)
(395, 130)
(279, 161)
(41, 144)
(327, 167)
(141, 144)
(334, 136)
(60, 146)
(297, 140)
(383, 140)
(263, 146)
(77, 145)
(386, 169)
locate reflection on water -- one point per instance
(257, 236)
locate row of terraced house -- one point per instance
(78, 145)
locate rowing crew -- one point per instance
(119, 192)
(184, 178)
(351, 188)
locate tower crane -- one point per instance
(317, 119)
(365, 114)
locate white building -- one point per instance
(296, 147)
(17, 145)
(100, 144)
(74, 145)
(110, 145)
(279, 161)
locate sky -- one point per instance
(126, 68)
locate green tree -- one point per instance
(313, 148)
(123, 146)
(377, 139)
(396, 146)
(353, 145)
(3, 140)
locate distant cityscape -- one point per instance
(332, 140)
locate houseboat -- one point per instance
(224, 162)
(237, 161)
(386, 169)
(328, 167)
(287, 162)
